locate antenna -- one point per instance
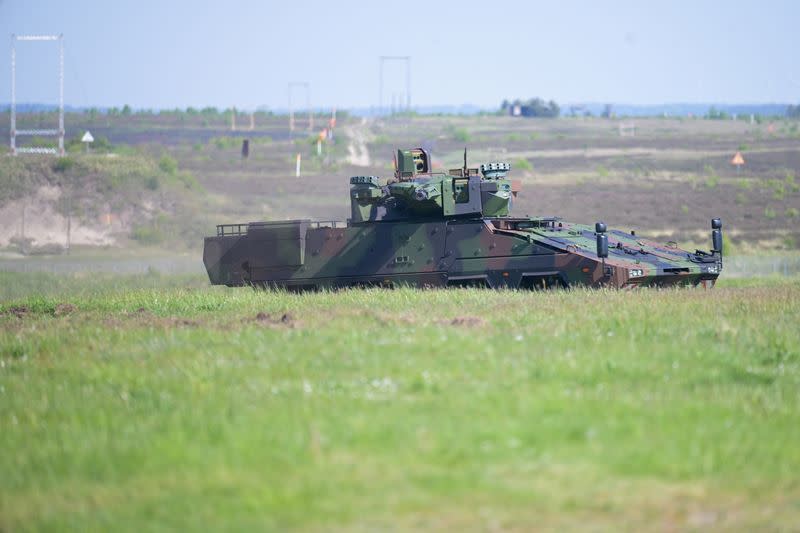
(40, 132)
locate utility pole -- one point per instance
(307, 87)
(407, 61)
(69, 220)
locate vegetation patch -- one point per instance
(208, 408)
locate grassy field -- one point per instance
(152, 403)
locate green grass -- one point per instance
(208, 408)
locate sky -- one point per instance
(178, 53)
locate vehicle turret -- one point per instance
(418, 192)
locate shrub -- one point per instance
(63, 164)
(523, 164)
(147, 234)
(168, 164)
(188, 180)
(460, 135)
(227, 142)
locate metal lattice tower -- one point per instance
(407, 61)
(40, 132)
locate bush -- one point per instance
(147, 234)
(188, 180)
(168, 164)
(523, 164)
(460, 134)
(227, 142)
(63, 164)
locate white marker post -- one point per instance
(297, 167)
(87, 139)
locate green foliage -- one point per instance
(790, 182)
(741, 198)
(147, 234)
(63, 164)
(126, 110)
(458, 134)
(778, 188)
(189, 180)
(715, 114)
(168, 164)
(217, 409)
(225, 142)
(523, 165)
(685, 209)
(101, 144)
(743, 148)
(728, 247)
(792, 212)
(513, 138)
(770, 213)
(602, 171)
(154, 232)
(152, 182)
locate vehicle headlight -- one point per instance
(635, 273)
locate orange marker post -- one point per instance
(737, 161)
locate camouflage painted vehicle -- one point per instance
(429, 229)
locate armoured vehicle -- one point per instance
(435, 229)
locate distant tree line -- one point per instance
(717, 114)
(793, 111)
(533, 107)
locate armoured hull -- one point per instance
(494, 252)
